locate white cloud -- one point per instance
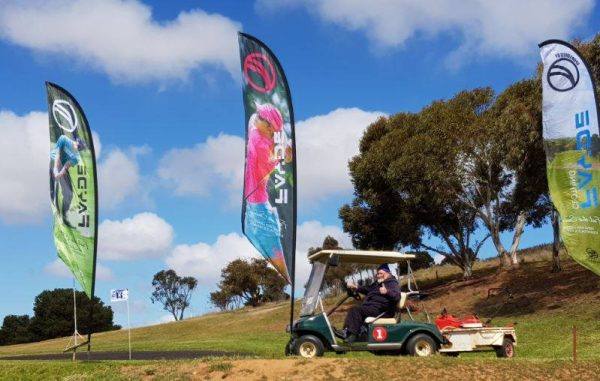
(508, 28)
(311, 234)
(204, 261)
(118, 177)
(144, 236)
(121, 37)
(211, 166)
(325, 143)
(97, 144)
(25, 147)
(58, 269)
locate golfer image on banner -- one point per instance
(64, 155)
(261, 218)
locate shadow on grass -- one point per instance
(535, 289)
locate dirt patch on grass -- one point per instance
(263, 310)
(437, 368)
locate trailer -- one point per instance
(470, 334)
(457, 340)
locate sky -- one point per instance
(160, 84)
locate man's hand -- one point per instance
(382, 289)
(351, 285)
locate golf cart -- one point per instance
(313, 333)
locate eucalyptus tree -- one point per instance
(394, 204)
(448, 170)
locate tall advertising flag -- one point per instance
(73, 187)
(269, 202)
(572, 144)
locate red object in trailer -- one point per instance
(450, 321)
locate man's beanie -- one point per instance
(385, 268)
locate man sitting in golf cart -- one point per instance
(381, 297)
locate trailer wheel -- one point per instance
(507, 349)
(421, 345)
(309, 347)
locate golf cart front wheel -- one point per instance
(421, 345)
(288, 347)
(507, 350)
(309, 347)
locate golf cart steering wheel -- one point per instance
(353, 293)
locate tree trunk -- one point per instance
(504, 257)
(514, 261)
(556, 243)
(468, 270)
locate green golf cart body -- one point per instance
(313, 334)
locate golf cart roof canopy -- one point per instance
(361, 256)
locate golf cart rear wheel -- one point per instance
(507, 350)
(421, 345)
(309, 347)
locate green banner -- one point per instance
(572, 144)
(73, 187)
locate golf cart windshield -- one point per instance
(311, 295)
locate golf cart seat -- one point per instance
(393, 320)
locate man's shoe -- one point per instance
(340, 333)
(350, 338)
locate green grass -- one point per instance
(61, 370)
(545, 309)
(260, 331)
(543, 333)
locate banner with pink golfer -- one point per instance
(73, 187)
(572, 144)
(269, 201)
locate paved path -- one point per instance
(143, 355)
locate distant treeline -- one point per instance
(53, 317)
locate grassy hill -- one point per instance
(545, 307)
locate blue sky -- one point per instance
(160, 84)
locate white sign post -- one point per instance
(120, 296)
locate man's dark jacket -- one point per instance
(384, 303)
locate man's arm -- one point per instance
(392, 290)
(366, 289)
(361, 290)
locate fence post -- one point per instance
(574, 344)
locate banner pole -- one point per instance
(89, 344)
(129, 328)
(292, 310)
(75, 334)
